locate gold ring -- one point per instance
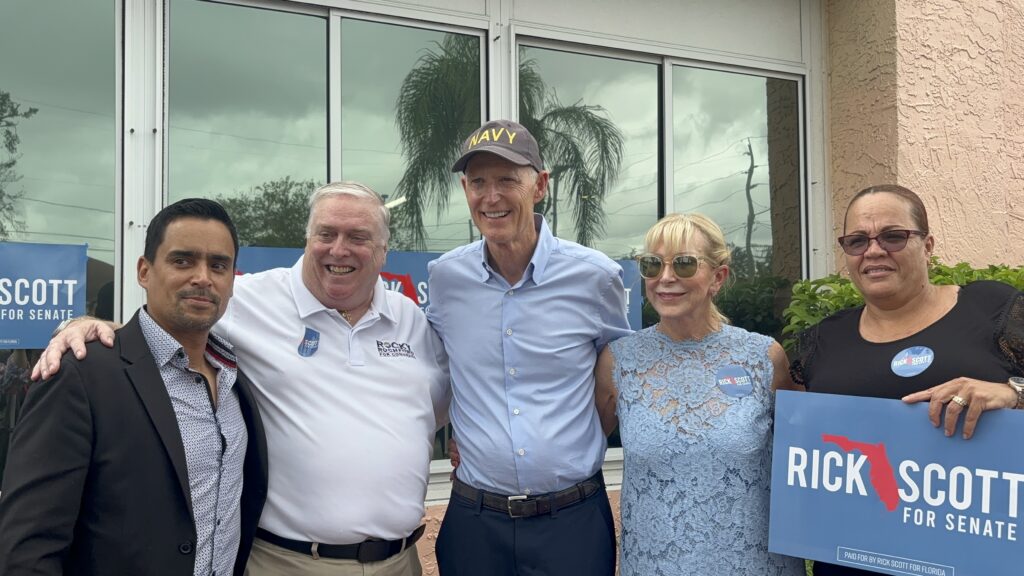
(960, 401)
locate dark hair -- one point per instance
(188, 208)
(917, 211)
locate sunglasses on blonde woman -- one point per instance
(890, 241)
(683, 265)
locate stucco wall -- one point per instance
(433, 521)
(930, 94)
(862, 98)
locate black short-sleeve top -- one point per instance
(981, 337)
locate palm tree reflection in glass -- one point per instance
(438, 106)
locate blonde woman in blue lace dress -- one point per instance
(694, 400)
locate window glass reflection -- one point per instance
(247, 114)
(736, 148)
(408, 99)
(596, 120)
(57, 141)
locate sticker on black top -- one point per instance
(912, 361)
(310, 343)
(734, 381)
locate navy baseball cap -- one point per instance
(507, 139)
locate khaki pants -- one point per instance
(267, 559)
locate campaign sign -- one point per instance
(634, 293)
(406, 272)
(870, 483)
(40, 285)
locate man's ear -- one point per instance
(142, 270)
(541, 186)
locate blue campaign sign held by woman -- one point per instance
(869, 483)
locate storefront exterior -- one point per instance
(766, 115)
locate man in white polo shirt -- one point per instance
(352, 383)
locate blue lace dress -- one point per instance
(695, 419)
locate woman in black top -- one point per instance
(956, 348)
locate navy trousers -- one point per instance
(578, 540)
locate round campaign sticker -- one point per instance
(734, 381)
(912, 361)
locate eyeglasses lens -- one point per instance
(890, 241)
(893, 240)
(685, 266)
(682, 266)
(650, 266)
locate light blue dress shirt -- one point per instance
(522, 361)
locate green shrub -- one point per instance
(753, 303)
(814, 300)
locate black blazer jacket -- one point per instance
(111, 496)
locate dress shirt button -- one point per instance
(522, 452)
(181, 354)
(515, 411)
(199, 380)
(185, 547)
(511, 292)
(527, 491)
(508, 332)
(512, 371)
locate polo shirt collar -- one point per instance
(541, 254)
(306, 304)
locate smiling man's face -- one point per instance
(501, 196)
(345, 251)
(191, 277)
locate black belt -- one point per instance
(367, 551)
(523, 506)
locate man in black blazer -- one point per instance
(131, 460)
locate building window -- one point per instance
(737, 160)
(57, 149)
(247, 114)
(409, 97)
(596, 119)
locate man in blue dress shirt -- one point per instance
(523, 316)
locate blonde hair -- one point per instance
(677, 230)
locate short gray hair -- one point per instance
(354, 189)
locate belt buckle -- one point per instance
(511, 499)
(368, 551)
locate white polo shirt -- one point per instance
(350, 412)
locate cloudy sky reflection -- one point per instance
(248, 104)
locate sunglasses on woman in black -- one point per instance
(890, 241)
